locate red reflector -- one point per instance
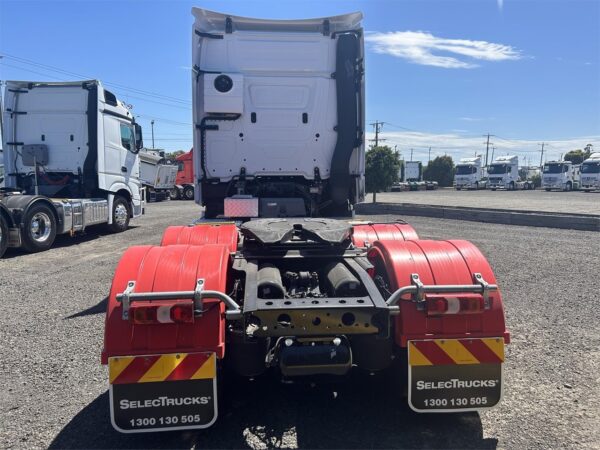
(162, 311)
(436, 306)
(182, 313)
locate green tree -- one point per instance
(382, 166)
(578, 156)
(441, 169)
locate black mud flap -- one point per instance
(179, 404)
(455, 375)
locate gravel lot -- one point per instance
(55, 390)
(538, 200)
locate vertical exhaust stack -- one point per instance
(278, 110)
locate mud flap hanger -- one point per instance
(418, 291)
(232, 311)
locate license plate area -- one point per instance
(163, 392)
(447, 375)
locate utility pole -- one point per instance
(542, 154)
(493, 149)
(429, 158)
(411, 152)
(487, 147)
(377, 126)
(152, 125)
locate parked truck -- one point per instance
(71, 161)
(410, 178)
(590, 173)
(278, 110)
(303, 298)
(157, 175)
(470, 174)
(562, 175)
(503, 173)
(184, 183)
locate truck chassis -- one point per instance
(305, 298)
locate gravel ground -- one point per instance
(55, 390)
(538, 200)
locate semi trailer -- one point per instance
(562, 175)
(503, 173)
(157, 175)
(590, 173)
(184, 182)
(70, 161)
(303, 298)
(470, 174)
(278, 108)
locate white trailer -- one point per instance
(561, 175)
(590, 173)
(70, 160)
(503, 173)
(157, 175)
(469, 174)
(278, 108)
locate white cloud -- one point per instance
(423, 48)
(460, 146)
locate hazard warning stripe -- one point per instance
(155, 368)
(456, 351)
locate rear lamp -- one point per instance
(460, 304)
(159, 312)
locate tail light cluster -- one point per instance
(460, 304)
(164, 311)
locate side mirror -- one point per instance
(139, 140)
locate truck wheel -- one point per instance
(547, 190)
(188, 192)
(3, 235)
(212, 210)
(493, 189)
(40, 228)
(569, 186)
(174, 194)
(120, 215)
(511, 186)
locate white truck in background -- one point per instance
(503, 173)
(410, 175)
(469, 174)
(70, 161)
(590, 173)
(157, 175)
(561, 175)
(278, 108)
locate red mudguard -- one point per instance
(201, 234)
(369, 233)
(437, 263)
(160, 269)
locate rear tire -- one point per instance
(174, 194)
(188, 192)
(569, 187)
(547, 190)
(40, 228)
(3, 235)
(511, 186)
(212, 210)
(121, 212)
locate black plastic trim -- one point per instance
(116, 114)
(90, 173)
(208, 35)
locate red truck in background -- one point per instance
(184, 183)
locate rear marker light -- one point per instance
(467, 304)
(159, 312)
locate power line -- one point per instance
(67, 72)
(487, 148)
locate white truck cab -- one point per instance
(278, 108)
(469, 174)
(562, 175)
(70, 160)
(590, 173)
(503, 173)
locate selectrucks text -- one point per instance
(163, 401)
(456, 384)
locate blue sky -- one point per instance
(439, 73)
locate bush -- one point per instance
(382, 166)
(441, 169)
